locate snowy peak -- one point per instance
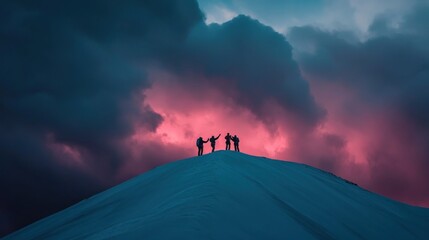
(230, 195)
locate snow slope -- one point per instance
(229, 195)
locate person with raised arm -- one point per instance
(213, 142)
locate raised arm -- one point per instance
(206, 141)
(217, 137)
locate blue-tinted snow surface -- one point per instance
(229, 195)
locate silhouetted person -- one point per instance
(200, 145)
(236, 140)
(213, 142)
(228, 142)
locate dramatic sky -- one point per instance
(95, 92)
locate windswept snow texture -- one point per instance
(229, 195)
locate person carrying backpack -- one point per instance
(228, 142)
(213, 142)
(200, 145)
(236, 140)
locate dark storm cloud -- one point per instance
(389, 75)
(70, 72)
(253, 65)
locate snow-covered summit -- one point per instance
(230, 195)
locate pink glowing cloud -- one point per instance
(188, 115)
(382, 154)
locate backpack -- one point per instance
(198, 142)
